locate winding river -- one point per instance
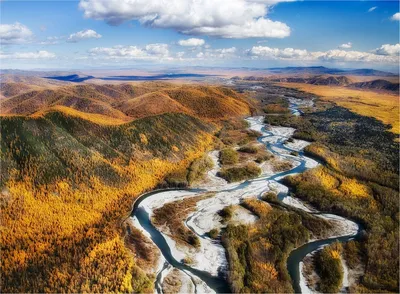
(207, 274)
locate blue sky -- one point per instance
(261, 33)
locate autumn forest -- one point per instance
(76, 157)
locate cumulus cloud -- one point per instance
(221, 53)
(287, 53)
(372, 8)
(28, 55)
(388, 49)
(83, 35)
(192, 42)
(346, 45)
(219, 18)
(157, 49)
(16, 33)
(149, 52)
(336, 55)
(352, 56)
(396, 16)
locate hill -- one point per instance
(131, 101)
(317, 80)
(382, 106)
(329, 80)
(71, 78)
(321, 70)
(377, 85)
(12, 85)
(74, 159)
(59, 143)
(67, 183)
(13, 89)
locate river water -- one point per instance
(208, 274)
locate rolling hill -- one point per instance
(131, 101)
(321, 70)
(317, 80)
(377, 85)
(59, 143)
(67, 182)
(343, 81)
(74, 157)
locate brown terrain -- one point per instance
(124, 102)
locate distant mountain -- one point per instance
(318, 80)
(309, 70)
(370, 72)
(377, 85)
(333, 80)
(168, 76)
(11, 85)
(320, 70)
(71, 78)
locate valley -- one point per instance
(199, 146)
(238, 188)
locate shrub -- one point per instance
(194, 240)
(187, 260)
(270, 197)
(275, 108)
(352, 253)
(264, 157)
(329, 268)
(226, 213)
(279, 166)
(235, 174)
(248, 149)
(228, 156)
(256, 206)
(198, 168)
(176, 179)
(213, 233)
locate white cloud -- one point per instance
(192, 42)
(221, 53)
(51, 40)
(157, 49)
(149, 52)
(346, 45)
(83, 35)
(16, 33)
(352, 56)
(27, 55)
(388, 49)
(219, 18)
(180, 54)
(287, 53)
(396, 16)
(336, 55)
(260, 28)
(372, 8)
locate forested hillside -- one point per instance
(360, 181)
(126, 102)
(68, 179)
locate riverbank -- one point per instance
(210, 257)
